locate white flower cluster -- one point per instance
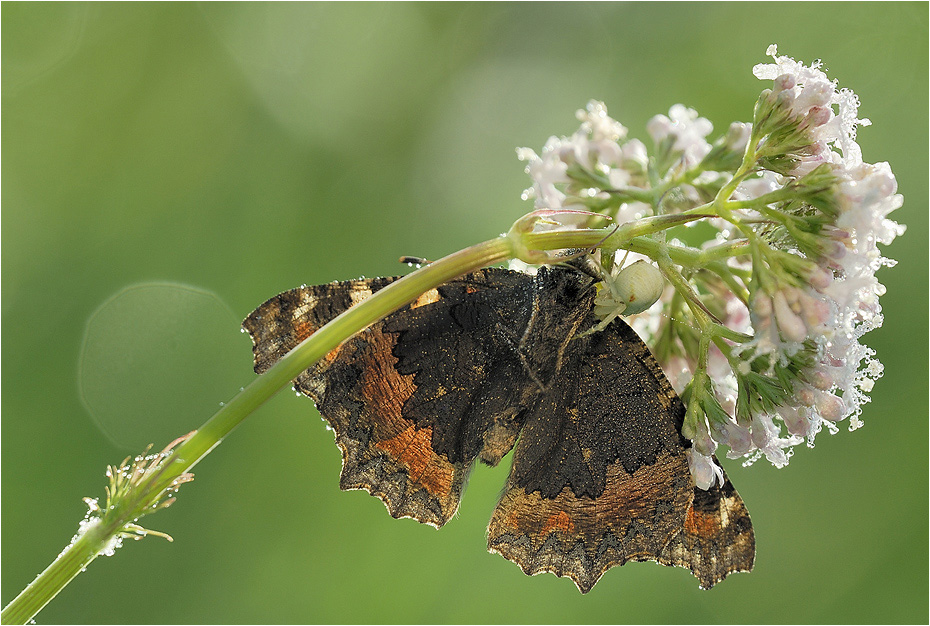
(808, 94)
(802, 219)
(572, 171)
(825, 318)
(683, 132)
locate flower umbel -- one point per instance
(760, 326)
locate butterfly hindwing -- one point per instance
(716, 538)
(599, 475)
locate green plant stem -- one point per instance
(88, 546)
(686, 256)
(71, 562)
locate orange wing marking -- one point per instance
(412, 448)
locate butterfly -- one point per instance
(498, 361)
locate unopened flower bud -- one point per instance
(818, 116)
(738, 136)
(784, 82)
(762, 305)
(739, 440)
(820, 379)
(806, 396)
(705, 444)
(785, 99)
(759, 431)
(795, 420)
(790, 324)
(831, 407)
(703, 470)
(814, 312)
(820, 278)
(720, 431)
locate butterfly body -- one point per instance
(499, 360)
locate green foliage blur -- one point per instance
(244, 149)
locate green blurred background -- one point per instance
(244, 149)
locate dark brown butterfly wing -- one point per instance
(416, 397)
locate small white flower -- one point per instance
(546, 171)
(594, 148)
(600, 126)
(766, 435)
(738, 136)
(705, 472)
(737, 438)
(866, 197)
(634, 151)
(687, 130)
(752, 188)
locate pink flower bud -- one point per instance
(820, 379)
(740, 441)
(831, 407)
(760, 431)
(790, 324)
(784, 82)
(795, 420)
(762, 305)
(703, 470)
(815, 312)
(818, 116)
(820, 278)
(805, 396)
